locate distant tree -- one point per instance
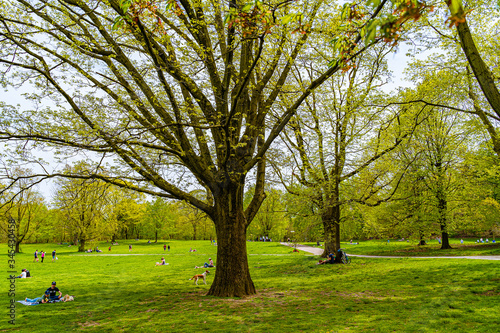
(158, 218)
(271, 220)
(25, 206)
(126, 210)
(83, 205)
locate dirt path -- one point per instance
(318, 251)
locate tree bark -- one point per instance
(232, 277)
(445, 242)
(481, 71)
(331, 227)
(81, 245)
(442, 207)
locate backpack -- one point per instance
(28, 274)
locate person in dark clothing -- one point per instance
(330, 260)
(51, 293)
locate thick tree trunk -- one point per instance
(422, 240)
(17, 250)
(232, 276)
(331, 227)
(442, 207)
(156, 236)
(445, 242)
(81, 245)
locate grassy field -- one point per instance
(130, 294)
(410, 248)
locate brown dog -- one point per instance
(200, 276)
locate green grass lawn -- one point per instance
(131, 294)
(410, 248)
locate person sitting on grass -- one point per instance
(23, 275)
(206, 265)
(209, 264)
(330, 260)
(162, 262)
(51, 294)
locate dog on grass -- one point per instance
(200, 276)
(68, 298)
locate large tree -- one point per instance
(340, 134)
(177, 96)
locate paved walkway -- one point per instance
(318, 251)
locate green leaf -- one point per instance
(125, 5)
(455, 6)
(247, 7)
(346, 10)
(370, 32)
(227, 18)
(333, 63)
(287, 18)
(117, 23)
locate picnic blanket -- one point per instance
(36, 301)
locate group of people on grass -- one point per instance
(50, 296)
(481, 240)
(42, 256)
(162, 262)
(96, 250)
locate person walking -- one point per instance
(164, 247)
(36, 256)
(53, 255)
(42, 255)
(169, 248)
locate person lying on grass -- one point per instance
(330, 260)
